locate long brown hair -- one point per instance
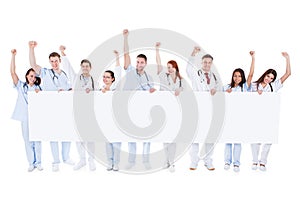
(175, 66)
(261, 79)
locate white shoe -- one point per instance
(262, 167)
(129, 165)
(79, 165)
(30, 168)
(236, 168)
(147, 165)
(39, 167)
(69, 162)
(55, 167)
(172, 168)
(254, 166)
(92, 165)
(116, 168)
(227, 166)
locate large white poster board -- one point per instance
(241, 117)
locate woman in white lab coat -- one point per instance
(170, 80)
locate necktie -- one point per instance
(207, 78)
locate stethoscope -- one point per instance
(56, 77)
(175, 79)
(86, 80)
(25, 89)
(139, 80)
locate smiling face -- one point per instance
(268, 78)
(107, 78)
(30, 77)
(171, 69)
(206, 64)
(237, 78)
(54, 62)
(140, 63)
(85, 68)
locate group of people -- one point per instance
(203, 79)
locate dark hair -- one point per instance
(142, 56)
(112, 74)
(37, 79)
(54, 54)
(242, 75)
(175, 66)
(207, 56)
(86, 61)
(261, 79)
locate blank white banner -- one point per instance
(235, 117)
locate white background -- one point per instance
(226, 29)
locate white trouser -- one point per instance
(82, 147)
(132, 152)
(64, 151)
(113, 153)
(194, 153)
(33, 149)
(264, 153)
(170, 149)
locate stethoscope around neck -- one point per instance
(147, 78)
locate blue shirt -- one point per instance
(52, 81)
(135, 81)
(21, 108)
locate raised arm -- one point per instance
(66, 65)
(117, 58)
(288, 67)
(251, 72)
(118, 69)
(127, 60)
(32, 60)
(191, 72)
(158, 60)
(13, 73)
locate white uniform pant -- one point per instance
(33, 148)
(82, 147)
(170, 149)
(264, 153)
(194, 153)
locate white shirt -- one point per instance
(198, 78)
(238, 88)
(52, 81)
(86, 82)
(135, 81)
(276, 85)
(167, 83)
(21, 108)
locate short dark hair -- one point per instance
(86, 61)
(207, 56)
(142, 56)
(54, 54)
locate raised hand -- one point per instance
(252, 53)
(125, 32)
(32, 44)
(196, 50)
(157, 45)
(62, 49)
(116, 52)
(285, 54)
(14, 52)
